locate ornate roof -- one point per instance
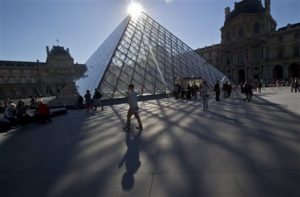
(289, 26)
(58, 50)
(246, 7)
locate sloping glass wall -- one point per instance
(98, 62)
(146, 55)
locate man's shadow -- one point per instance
(131, 160)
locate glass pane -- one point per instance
(142, 52)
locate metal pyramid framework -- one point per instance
(142, 52)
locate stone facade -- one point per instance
(252, 48)
(55, 77)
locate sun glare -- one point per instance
(135, 9)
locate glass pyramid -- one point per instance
(142, 52)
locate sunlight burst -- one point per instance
(135, 9)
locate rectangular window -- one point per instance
(296, 51)
(280, 52)
(247, 54)
(240, 58)
(227, 61)
(256, 54)
(262, 53)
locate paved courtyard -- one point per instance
(234, 149)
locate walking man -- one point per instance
(133, 109)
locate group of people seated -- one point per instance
(22, 114)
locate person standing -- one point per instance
(133, 109)
(229, 89)
(259, 87)
(292, 85)
(97, 98)
(204, 95)
(217, 90)
(225, 89)
(248, 91)
(296, 85)
(79, 103)
(195, 88)
(88, 100)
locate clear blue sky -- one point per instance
(27, 26)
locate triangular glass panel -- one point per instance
(142, 52)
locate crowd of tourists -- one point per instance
(19, 114)
(37, 111)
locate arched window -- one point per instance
(256, 28)
(241, 32)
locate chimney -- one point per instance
(68, 50)
(268, 5)
(47, 49)
(227, 12)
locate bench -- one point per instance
(5, 125)
(58, 111)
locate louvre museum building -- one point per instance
(55, 77)
(252, 48)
